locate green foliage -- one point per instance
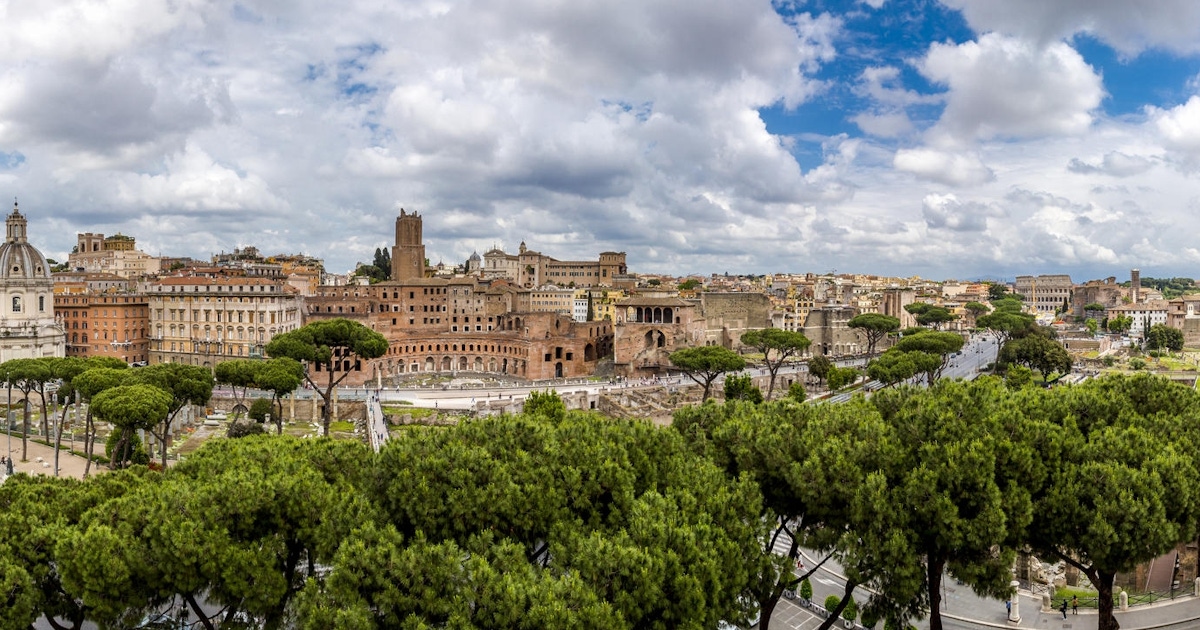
(741, 387)
(796, 392)
(1137, 364)
(319, 342)
(776, 346)
(383, 262)
(806, 590)
(703, 364)
(1163, 336)
(244, 428)
(1119, 324)
(373, 273)
(832, 602)
(850, 612)
(259, 409)
(1018, 376)
(819, 366)
(1123, 485)
(935, 316)
(132, 452)
(546, 404)
(874, 326)
(689, 284)
(597, 499)
(1037, 353)
(1109, 360)
(841, 377)
(996, 291)
(1094, 307)
(976, 308)
(1171, 288)
(899, 366)
(926, 352)
(1092, 326)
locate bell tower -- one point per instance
(408, 255)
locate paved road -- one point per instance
(964, 610)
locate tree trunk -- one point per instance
(934, 567)
(771, 384)
(162, 441)
(88, 443)
(45, 414)
(767, 608)
(1103, 581)
(58, 440)
(836, 613)
(199, 613)
(327, 410)
(25, 431)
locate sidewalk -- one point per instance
(68, 465)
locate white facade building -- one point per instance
(28, 328)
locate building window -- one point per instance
(16, 307)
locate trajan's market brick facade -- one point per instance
(458, 325)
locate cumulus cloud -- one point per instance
(1179, 126)
(1113, 163)
(1127, 26)
(195, 183)
(952, 169)
(946, 212)
(632, 125)
(1001, 87)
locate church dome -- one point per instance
(474, 256)
(18, 259)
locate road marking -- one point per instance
(828, 582)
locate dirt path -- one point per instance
(68, 465)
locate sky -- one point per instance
(942, 138)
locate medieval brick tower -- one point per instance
(408, 255)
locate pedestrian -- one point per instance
(1008, 607)
(1063, 608)
(1074, 604)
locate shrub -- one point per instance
(841, 377)
(832, 602)
(870, 618)
(741, 387)
(851, 610)
(796, 392)
(134, 452)
(806, 590)
(259, 409)
(242, 429)
(546, 404)
(1109, 361)
(1137, 364)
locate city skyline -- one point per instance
(954, 139)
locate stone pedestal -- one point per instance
(1124, 601)
(1014, 608)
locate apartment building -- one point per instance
(203, 320)
(107, 322)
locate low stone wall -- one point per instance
(302, 409)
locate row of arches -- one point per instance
(651, 315)
(446, 363)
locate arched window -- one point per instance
(41, 303)
(16, 304)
